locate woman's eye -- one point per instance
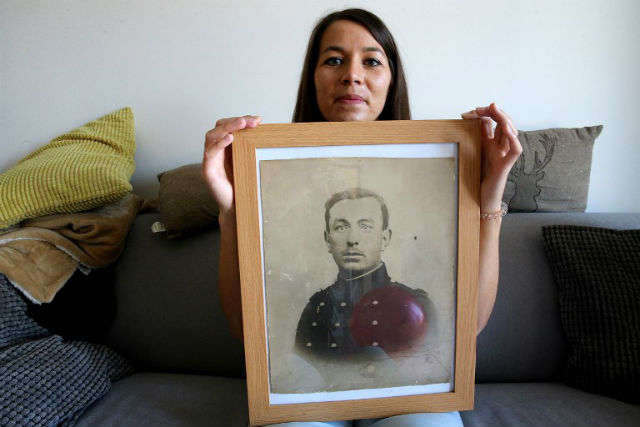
(372, 62)
(333, 61)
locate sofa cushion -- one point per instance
(45, 379)
(546, 404)
(598, 275)
(154, 399)
(552, 174)
(185, 202)
(80, 170)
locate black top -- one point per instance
(323, 328)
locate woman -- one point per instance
(352, 71)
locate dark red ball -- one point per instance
(389, 317)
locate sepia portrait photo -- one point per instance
(359, 272)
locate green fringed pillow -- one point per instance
(86, 168)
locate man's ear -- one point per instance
(386, 238)
(326, 240)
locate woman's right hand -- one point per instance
(217, 167)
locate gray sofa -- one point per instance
(189, 369)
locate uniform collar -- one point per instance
(374, 277)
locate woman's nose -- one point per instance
(353, 74)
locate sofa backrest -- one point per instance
(169, 318)
(524, 339)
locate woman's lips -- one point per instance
(350, 99)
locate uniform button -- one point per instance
(375, 322)
(321, 304)
(314, 323)
(375, 343)
(337, 324)
(343, 304)
(374, 302)
(333, 345)
(308, 344)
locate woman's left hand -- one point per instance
(500, 150)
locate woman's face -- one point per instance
(352, 76)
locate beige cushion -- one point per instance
(80, 170)
(185, 202)
(552, 175)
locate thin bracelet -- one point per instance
(495, 215)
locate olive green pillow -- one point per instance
(80, 170)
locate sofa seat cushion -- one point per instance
(195, 400)
(546, 404)
(157, 399)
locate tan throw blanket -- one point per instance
(39, 257)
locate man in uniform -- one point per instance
(363, 309)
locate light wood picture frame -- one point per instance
(427, 174)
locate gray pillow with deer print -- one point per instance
(552, 175)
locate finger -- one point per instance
(508, 146)
(508, 122)
(214, 137)
(229, 125)
(470, 115)
(515, 148)
(221, 122)
(252, 121)
(503, 144)
(220, 130)
(487, 124)
(233, 124)
(214, 148)
(487, 128)
(497, 114)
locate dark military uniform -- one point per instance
(323, 328)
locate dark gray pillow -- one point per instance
(598, 275)
(185, 202)
(552, 175)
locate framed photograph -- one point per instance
(358, 250)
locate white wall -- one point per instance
(183, 64)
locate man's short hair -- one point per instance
(352, 194)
